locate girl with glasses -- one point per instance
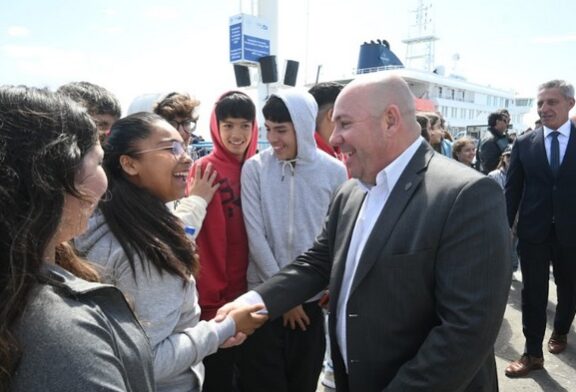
(141, 247)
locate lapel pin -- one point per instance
(408, 186)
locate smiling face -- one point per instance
(467, 153)
(91, 182)
(553, 107)
(282, 138)
(359, 135)
(160, 164)
(236, 134)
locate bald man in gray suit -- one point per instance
(415, 251)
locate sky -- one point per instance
(142, 47)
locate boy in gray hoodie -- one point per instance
(286, 191)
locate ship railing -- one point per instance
(376, 69)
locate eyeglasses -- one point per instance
(188, 125)
(176, 148)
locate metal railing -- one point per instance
(198, 150)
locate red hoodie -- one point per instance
(222, 241)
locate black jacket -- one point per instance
(536, 195)
(490, 150)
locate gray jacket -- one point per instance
(284, 204)
(80, 336)
(167, 309)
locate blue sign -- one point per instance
(254, 48)
(249, 39)
(235, 42)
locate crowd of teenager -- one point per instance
(119, 250)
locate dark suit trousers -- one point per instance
(279, 359)
(535, 264)
(220, 370)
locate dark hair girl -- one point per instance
(57, 331)
(142, 248)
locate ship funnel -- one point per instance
(375, 56)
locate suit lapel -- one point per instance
(348, 218)
(399, 198)
(540, 151)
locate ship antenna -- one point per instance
(421, 38)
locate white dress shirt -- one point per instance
(370, 211)
(375, 200)
(563, 136)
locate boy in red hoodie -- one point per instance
(222, 241)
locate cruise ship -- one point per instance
(464, 105)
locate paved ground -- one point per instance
(559, 374)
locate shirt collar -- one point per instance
(564, 130)
(388, 177)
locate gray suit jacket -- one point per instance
(431, 286)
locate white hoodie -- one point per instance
(284, 206)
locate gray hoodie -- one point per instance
(167, 309)
(284, 205)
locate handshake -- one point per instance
(246, 317)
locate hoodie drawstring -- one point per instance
(291, 164)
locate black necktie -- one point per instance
(554, 153)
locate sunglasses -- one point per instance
(176, 148)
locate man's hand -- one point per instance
(225, 309)
(296, 316)
(245, 316)
(203, 184)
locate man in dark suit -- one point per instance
(541, 189)
(415, 251)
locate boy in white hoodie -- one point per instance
(286, 191)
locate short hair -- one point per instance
(235, 104)
(459, 145)
(493, 117)
(434, 118)
(275, 110)
(325, 93)
(177, 105)
(566, 88)
(96, 99)
(424, 121)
